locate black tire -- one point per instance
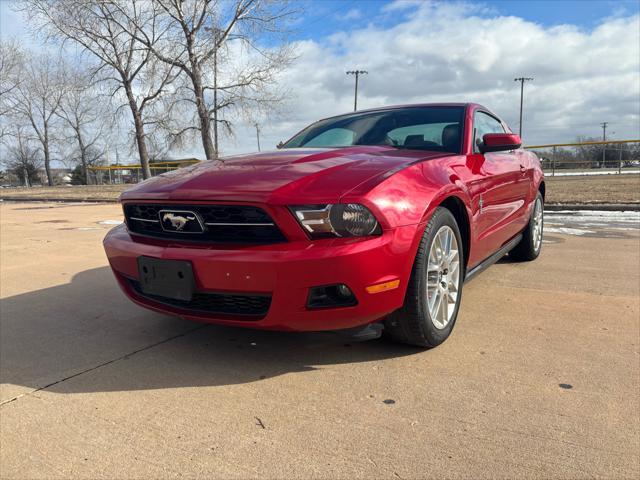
(412, 324)
(528, 249)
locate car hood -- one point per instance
(280, 177)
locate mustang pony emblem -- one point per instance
(177, 221)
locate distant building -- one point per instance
(58, 175)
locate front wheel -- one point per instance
(529, 247)
(435, 287)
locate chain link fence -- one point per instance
(589, 158)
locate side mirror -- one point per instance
(500, 142)
(279, 145)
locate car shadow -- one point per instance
(54, 336)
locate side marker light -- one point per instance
(383, 287)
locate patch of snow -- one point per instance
(567, 231)
(589, 216)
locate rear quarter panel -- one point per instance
(538, 174)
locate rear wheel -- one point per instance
(435, 288)
(529, 247)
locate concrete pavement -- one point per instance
(539, 379)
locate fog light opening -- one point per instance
(331, 296)
(344, 291)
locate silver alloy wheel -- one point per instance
(443, 277)
(538, 220)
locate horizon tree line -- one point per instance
(166, 72)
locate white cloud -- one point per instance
(400, 5)
(351, 14)
(462, 52)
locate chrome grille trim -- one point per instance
(222, 223)
(241, 224)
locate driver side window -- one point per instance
(484, 123)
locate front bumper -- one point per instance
(286, 271)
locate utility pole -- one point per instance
(108, 164)
(522, 80)
(216, 41)
(118, 171)
(215, 97)
(357, 73)
(604, 139)
(258, 135)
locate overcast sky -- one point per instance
(584, 55)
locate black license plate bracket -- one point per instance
(166, 278)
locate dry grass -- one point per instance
(79, 192)
(594, 189)
(586, 189)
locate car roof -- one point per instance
(410, 105)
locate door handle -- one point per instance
(523, 169)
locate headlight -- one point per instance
(337, 220)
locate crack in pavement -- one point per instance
(104, 364)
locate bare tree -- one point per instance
(94, 156)
(23, 159)
(11, 61)
(85, 114)
(158, 148)
(101, 27)
(35, 100)
(196, 32)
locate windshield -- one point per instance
(416, 128)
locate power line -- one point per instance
(357, 73)
(522, 80)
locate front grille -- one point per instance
(254, 306)
(220, 223)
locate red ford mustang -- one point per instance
(372, 219)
